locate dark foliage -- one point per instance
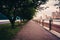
(25, 9)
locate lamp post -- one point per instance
(59, 5)
(58, 8)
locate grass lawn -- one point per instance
(6, 32)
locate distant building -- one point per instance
(56, 15)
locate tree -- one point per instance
(28, 7)
(8, 8)
(27, 13)
(25, 9)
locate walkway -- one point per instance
(33, 31)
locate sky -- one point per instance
(48, 8)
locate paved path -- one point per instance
(33, 31)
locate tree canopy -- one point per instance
(25, 9)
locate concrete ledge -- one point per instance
(52, 31)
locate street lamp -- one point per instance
(58, 5)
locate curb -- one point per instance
(52, 31)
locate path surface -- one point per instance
(33, 31)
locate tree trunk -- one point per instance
(12, 23)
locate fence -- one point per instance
(50, 24)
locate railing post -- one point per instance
(50, 24)
(42, 22)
